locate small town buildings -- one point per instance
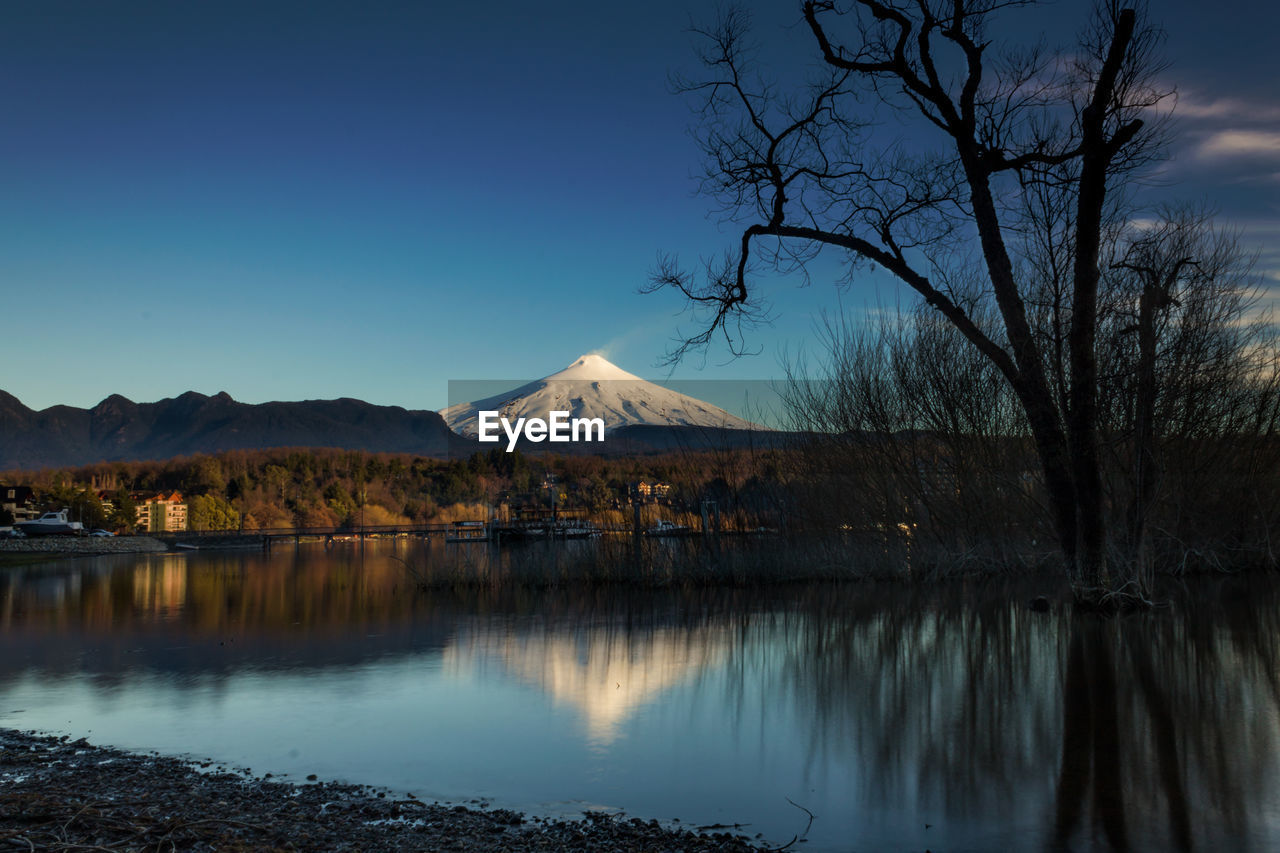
(654, 491)
(161, 513)
(19, 501)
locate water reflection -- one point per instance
(605, 673)
(161, 590)
(953, 718)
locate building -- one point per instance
(161, 513)
(647, 491)
(18, 501)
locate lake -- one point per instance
(950, 718)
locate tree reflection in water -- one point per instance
(1149, 732)
(888, 707)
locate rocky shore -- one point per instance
(58, 795)
(82, 545)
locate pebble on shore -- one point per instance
(59, 794)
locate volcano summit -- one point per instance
(593, 388)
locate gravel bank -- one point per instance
(57, 794)
(82, 545)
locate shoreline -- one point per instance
(55, 547)
(23, 551)
(63, 794)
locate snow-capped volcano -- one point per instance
(593, 387)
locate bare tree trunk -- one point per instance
(1097, 152)
(1146, 463)
(1051, 448)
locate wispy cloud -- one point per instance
(1236, 110)
(1240, 142)
(1225, 127)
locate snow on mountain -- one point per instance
(593, 387)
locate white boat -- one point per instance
(667, 528)
(51, 524)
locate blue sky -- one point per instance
(300, 200)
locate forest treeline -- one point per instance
(321, 487)
(901, 492)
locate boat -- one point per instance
(668, 528)
(529, 531)
(578, 530)
(50, 524)
(519, 532)
(468, 531)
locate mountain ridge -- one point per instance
(118, 429)
(640, 417)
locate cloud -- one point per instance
(1238, 142)
(1234, 109)
(1258, 225)
(1232, 126)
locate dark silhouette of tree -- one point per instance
(915, 430)
(996, 203)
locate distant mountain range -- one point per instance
(640, 417)
(120, 429)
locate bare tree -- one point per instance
(918, 432)
(1013, 157)
(912, 437)
(1190, 394)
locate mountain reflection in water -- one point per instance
(952, 718)
(605, 674)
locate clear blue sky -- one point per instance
(299, 200)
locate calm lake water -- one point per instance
(949, 719)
